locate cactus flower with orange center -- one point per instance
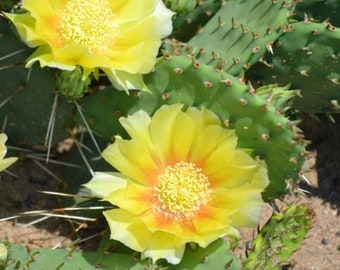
(181, 179)
(4, 162)
(120, 37)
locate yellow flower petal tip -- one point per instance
(182, 180)
(121, 37)
(5, 162)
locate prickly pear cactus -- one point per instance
(279, 238)
(114, 256)
(225, 39)
(259, 124)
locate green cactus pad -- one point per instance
(27, 95)
(216, 256)
(308, 58)
(239, 34)
(258, 123)
(187, 23)
(279, 238)
(325, 10)
(21, 257)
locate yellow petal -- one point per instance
(161, 135)
(222, 156)
(128, 229)
(45, 57)
(164, 245)
(124, 8)
(137, 126)
(4, 163)
(134, 198)
(150, 8)
(122, 80)
(25, 24)
(130, 56)
(203, 118)
(102, 184)
(209, 140)
(41, 7)
(133, 159)
(244, 203)
(182, 139)
(3, 149)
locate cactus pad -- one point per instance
(27, 95)
(279, 238)
(232, 41)
(308, 58)
(216, 256)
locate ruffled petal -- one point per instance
(150, 8)
(203, 117)
(5, 163)
(102, 184)
(209, 140)
(122, 80)
(124, 8)
(244, 203)
(137, 126)
(3, 149)
(25, 24)
(164, 245)
(161, 135)
(134, 198)
(133, 159)
(182, 139)
(221, 156)
(128, 229)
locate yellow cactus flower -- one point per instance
(121, 37)
(4, 162)
(181, 179)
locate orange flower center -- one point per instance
(90, 23)
(181, 191)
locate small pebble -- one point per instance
(325, 241)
